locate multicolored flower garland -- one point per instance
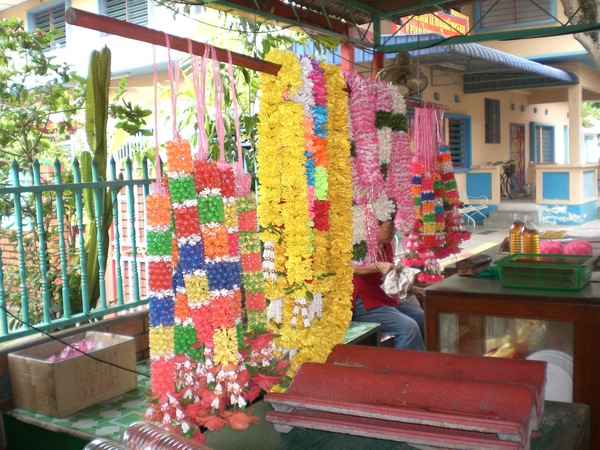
(160, 296)
(206, 363)
(380, 174)
(303, 123)
(207, 366)
(437, 231)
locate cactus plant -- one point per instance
(98, 204)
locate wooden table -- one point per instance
(474, 299)
(564, 426)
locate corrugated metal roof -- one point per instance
(485, 69)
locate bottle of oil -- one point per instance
(530, 237)
(516, 231)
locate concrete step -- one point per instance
(498, 224)
(503, 218)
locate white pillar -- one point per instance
(575, 124)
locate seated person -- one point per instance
(405, 321)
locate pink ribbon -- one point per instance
(242, 179)
(218, 86)
(199, 80)
(174, 83)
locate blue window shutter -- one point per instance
(506, 13)
(133, 11)
(53, 17)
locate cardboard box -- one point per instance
(62, 388)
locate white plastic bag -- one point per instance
(398, 282)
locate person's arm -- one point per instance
(379, 266)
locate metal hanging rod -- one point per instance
(109, 25)
(104, 24)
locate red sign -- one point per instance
(454, 24)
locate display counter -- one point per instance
(478, 316)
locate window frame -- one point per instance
(32, 25)
(466, 150)
(493, 121)
(103, 10)
(548, 12)
(538, 156)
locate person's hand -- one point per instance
(385, 267)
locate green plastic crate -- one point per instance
(532, 271)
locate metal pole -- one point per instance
(85, 19)
(109, 25)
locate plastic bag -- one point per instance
(398, 282)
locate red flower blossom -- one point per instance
(265, 382)
(211, 422)
(208, 396)
(283, 365)
(239, 420)
(252, 393)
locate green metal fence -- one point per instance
(43, 260)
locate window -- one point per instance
(542, 143)
(134, 11)
(506, 13)
(52, 18)
(492, 121)
(458, 137)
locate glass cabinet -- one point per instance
(478, 316)
(515, 337)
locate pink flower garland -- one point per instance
(438, 228)
(381, 157)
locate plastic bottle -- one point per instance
(142, 435)
(530, 237)
(516, 230)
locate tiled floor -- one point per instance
(106, 419)
(110, 419)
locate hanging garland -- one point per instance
(380, 162)
(304, 205)
(160, 295)
(206, 365)
(438, 230)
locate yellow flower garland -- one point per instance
(316, 263)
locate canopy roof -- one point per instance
(486, 69)
(360, 22)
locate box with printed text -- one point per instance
(56, 380)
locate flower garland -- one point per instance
(303, 126)
(437, 231)
(213, 365)
(399, 176)
(170, 404)
(206, 367)
(381, 158)
(455, 232)
(160, 296)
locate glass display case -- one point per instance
(519, 338)
(478, 316)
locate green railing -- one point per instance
(43, 282)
